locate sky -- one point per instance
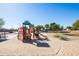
(14, 14)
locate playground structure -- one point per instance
(28, 33)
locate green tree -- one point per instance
(75, 25)
(1, 22)
(61, 28)
(32, 25)
(69, 27)
(40, 27)
(46, 26)
(54, 26)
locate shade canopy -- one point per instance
(26, 22)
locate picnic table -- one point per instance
(2, 36)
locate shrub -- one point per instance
(61, 37)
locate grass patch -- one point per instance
(64, 31)
(61, 37)
(72, 34)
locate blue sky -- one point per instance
(15, 14)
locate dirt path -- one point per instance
(57, 47)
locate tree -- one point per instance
(46, 26)
(54, 26)
(69, 27)
(32, 25)
(40, 27)
(75, 25)
(61, 28)
(1, 22)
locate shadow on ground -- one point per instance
(39, 42)
(43, 44)
(3, 40)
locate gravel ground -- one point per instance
(57, 47)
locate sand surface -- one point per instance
(57, 47)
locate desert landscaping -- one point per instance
(38, 29)
(57, 47)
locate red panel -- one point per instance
(20, 34)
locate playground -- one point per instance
(53, 47)
(25, 43)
